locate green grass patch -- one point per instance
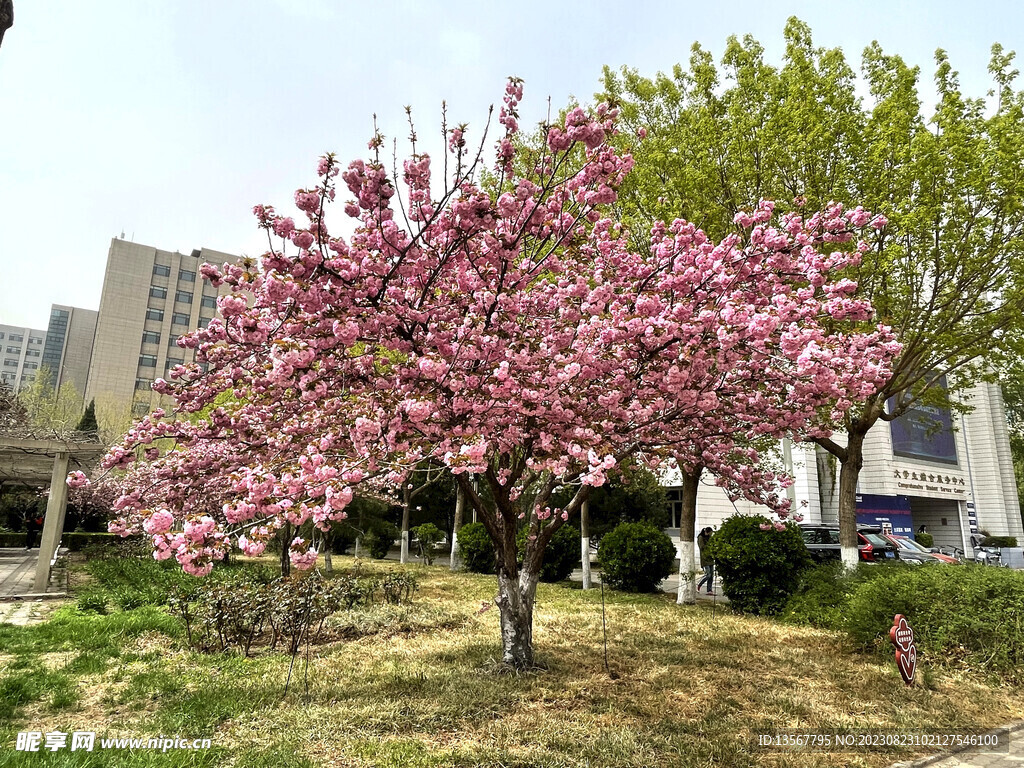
(419, 685)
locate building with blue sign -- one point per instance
(951, 474)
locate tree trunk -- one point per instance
(286, 541)
(687, 592)
(515, 606)
(585, 542)
(406, 503)
(328, 544)
(849, 473)
(460, 505)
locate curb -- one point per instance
(1008, 730)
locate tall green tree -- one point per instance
(88, 421)
(49, 409)
(946, 271)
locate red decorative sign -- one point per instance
(902, 637)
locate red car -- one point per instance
(912, 550)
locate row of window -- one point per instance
(14, 364)
(177, 318)
(37, 339)
(149, 361)
(184, 297)
(164, 270)
(152, 337)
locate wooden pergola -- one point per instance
(45, 462)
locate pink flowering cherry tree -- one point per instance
(497, 326)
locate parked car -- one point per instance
(912, 552)
(823, 543)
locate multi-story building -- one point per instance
(68, 347)
(150, 298)
(21, 353)
(951, 474)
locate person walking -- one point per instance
(33, 524)
(705, 560)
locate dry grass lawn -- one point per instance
(691, 687)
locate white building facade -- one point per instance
(951, 474)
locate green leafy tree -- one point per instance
(50, 410)
(88, 421)
(946, 271)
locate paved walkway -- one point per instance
(18, 570)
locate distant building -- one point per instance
(952, 474)
(21, 355)
(68, 348)
(150, 298)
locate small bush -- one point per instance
(429, 537)
(636, 557)
(93, 601)
(380, 539)
(924, 539)
(823, 594)
(561, 556)
(476, 548)
(999, 541)
(398, 586)
(759, 569)
(971, 615)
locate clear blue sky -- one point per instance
(169, 120)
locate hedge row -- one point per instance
(75, 540)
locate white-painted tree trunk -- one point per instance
(404, 557)
(585, 543)
(358, 546)
(687, 592)
(460, 506)
(850, 557)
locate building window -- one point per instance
(149, 337)
(161, 269)
(173, 341)
(14, 350)
(140, 409)
(1, 334)
(179, 318)
(32, 353)
(209, 302)
(11, 363)
(157, 292)
(204, 321)
(143, 384)
(173, 361)
(183, 296)
(35, 340)
(147, 361)
(187, 275)
(155, 314)
(31, 366)
(16, 337)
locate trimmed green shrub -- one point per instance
(78, 541)
(969, 614)
(824, 592)
(429, 537)
(636, 557)
(8, 539)
(476, 548)
(924, 539)
(759, 569)
(999, 541)
(561, 556)
(380, 539)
